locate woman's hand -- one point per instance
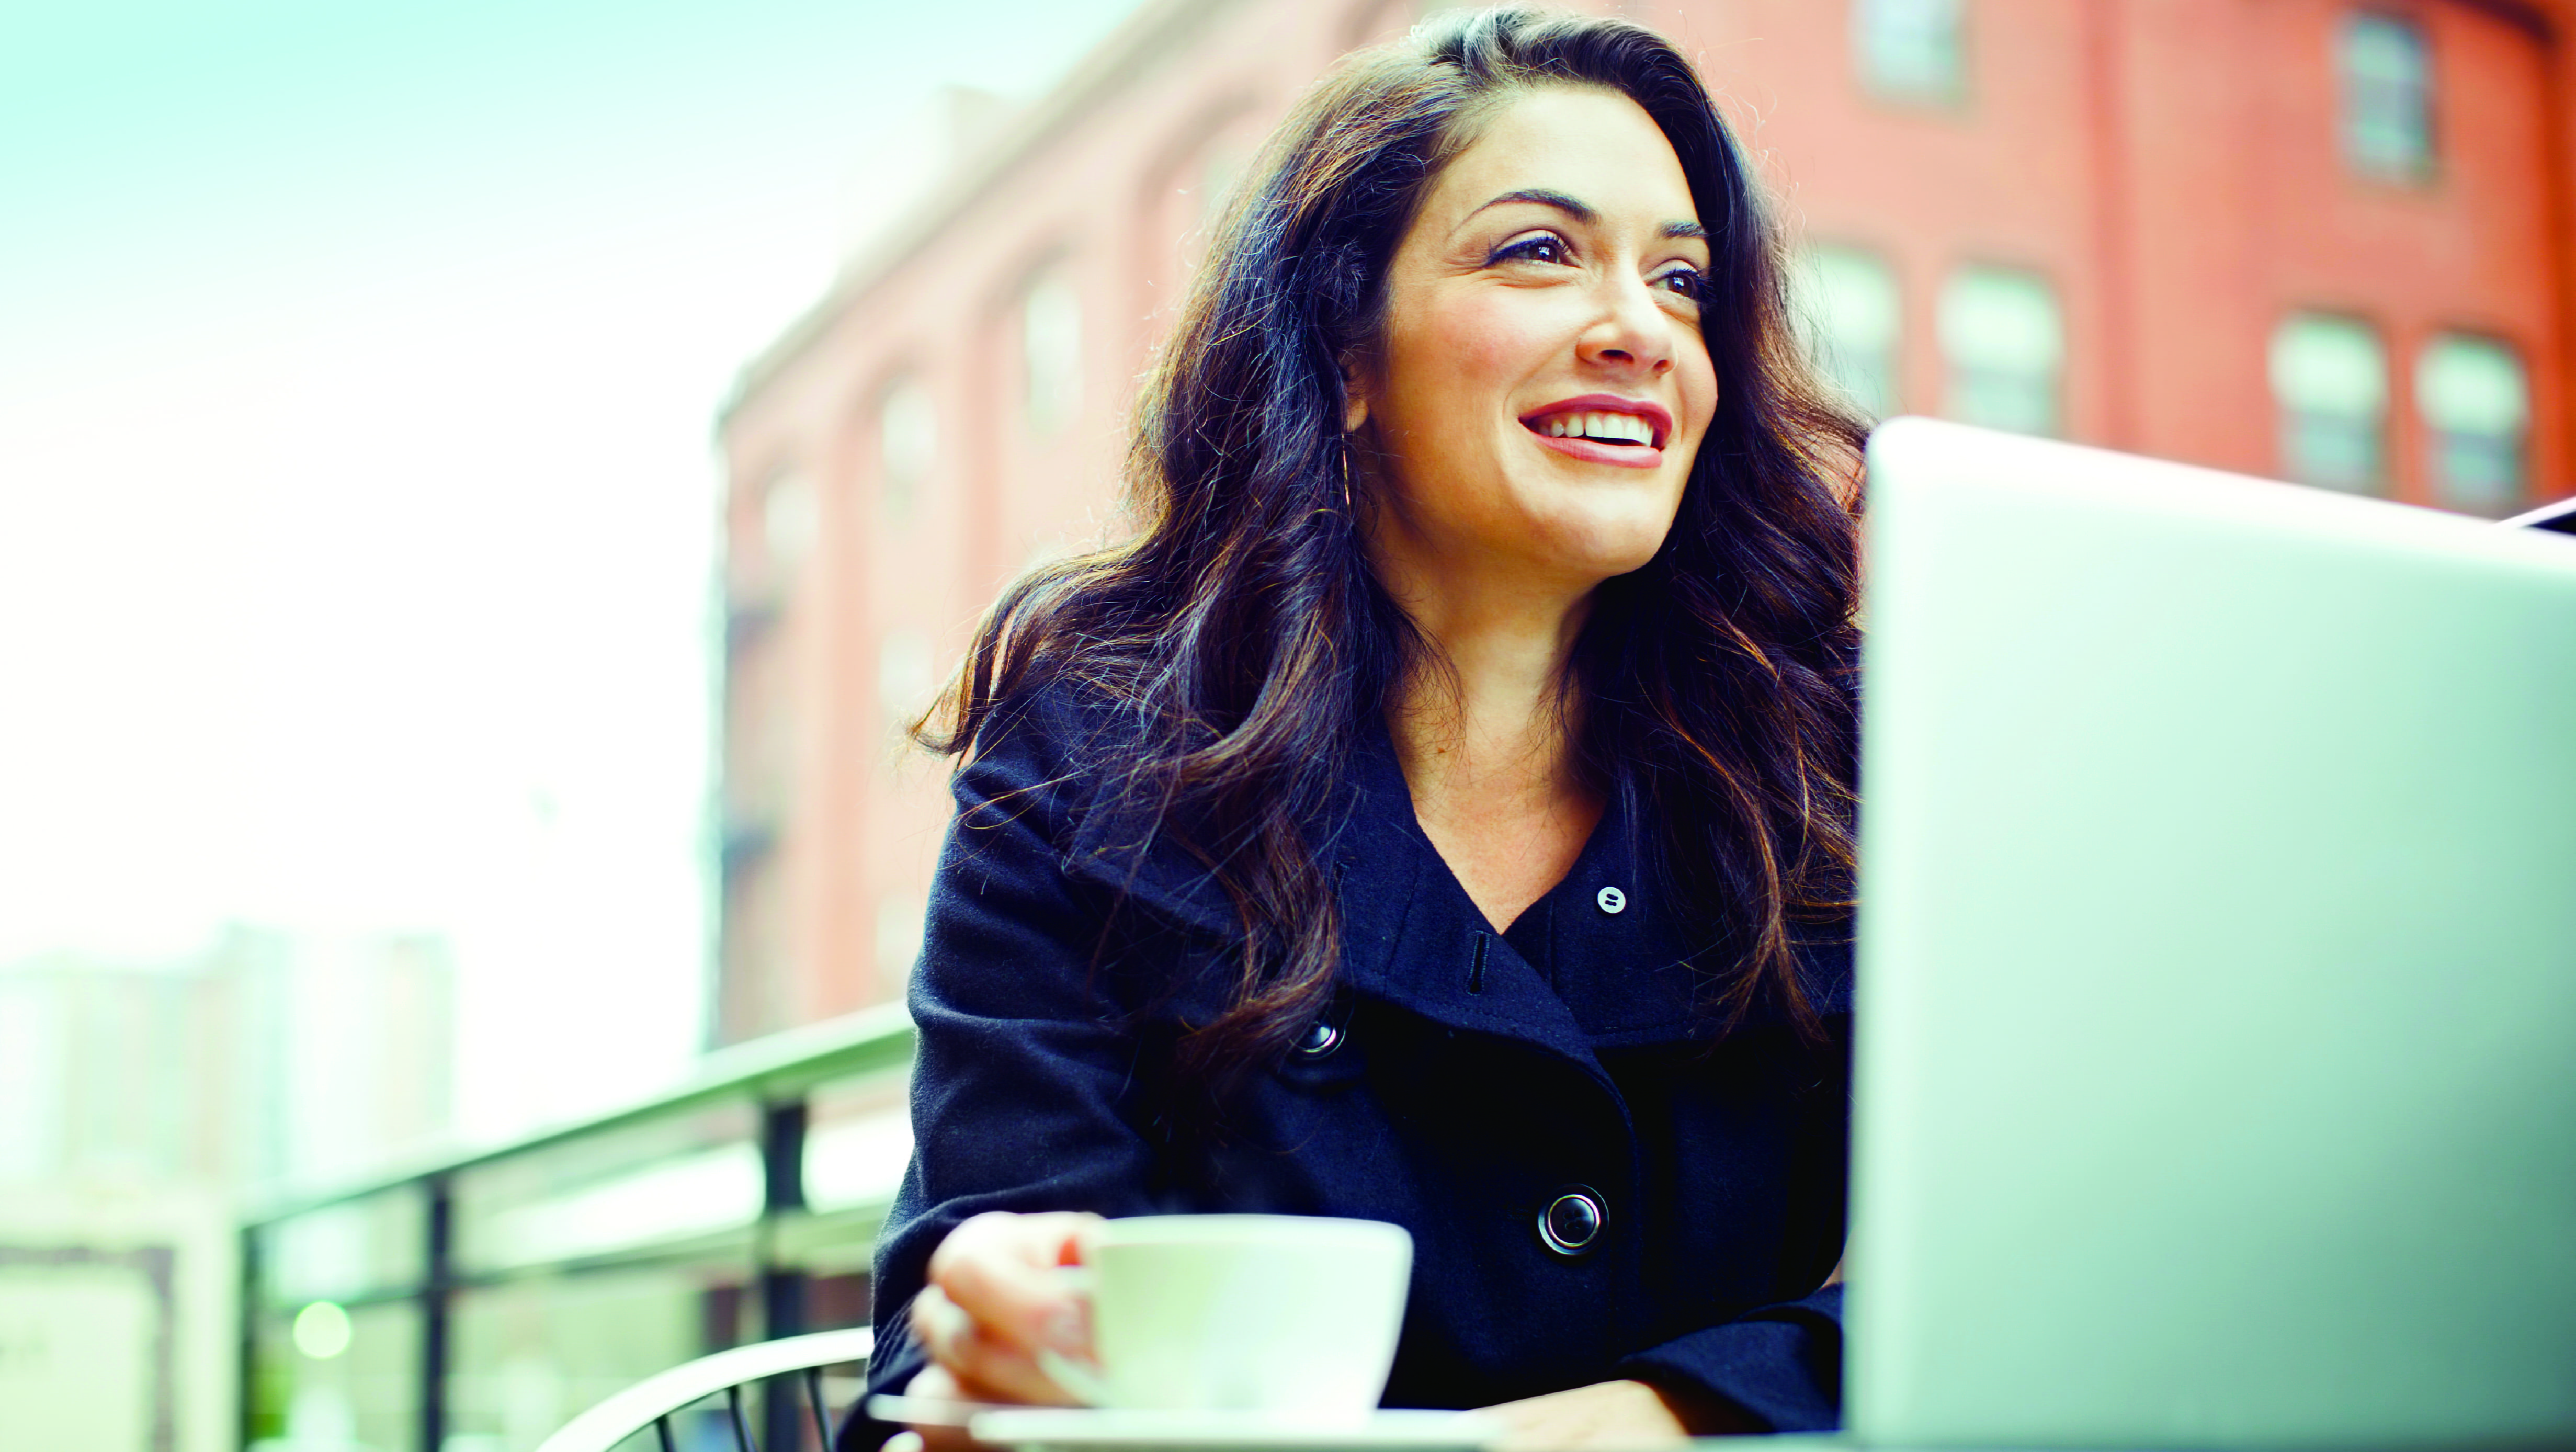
(997, 1295)
(1613, 1414)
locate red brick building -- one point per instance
(2328, 240)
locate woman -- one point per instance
(1441, 812)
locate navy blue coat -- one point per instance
(1461, 1081)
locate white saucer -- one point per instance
(1101, 1429)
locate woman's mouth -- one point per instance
(1601, 429)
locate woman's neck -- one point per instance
(1485, 735)
(1489, 713)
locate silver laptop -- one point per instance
(2217, 1017)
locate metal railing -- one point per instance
(705, 1191)
(655, 1401)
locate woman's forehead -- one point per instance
(1589, 145)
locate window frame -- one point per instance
(1954, 95)
(2434, 441)
(2351, 87)
(1046, 420)
(1956, 369)
(2381, 481)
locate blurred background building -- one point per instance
(140, 1103)
(2315, 239)
(265, 1059)
(2323, 240)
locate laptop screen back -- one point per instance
(2217, 1017)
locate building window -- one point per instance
(1844, 304)
(1051, 353)
(787, 524)
(1911, 50)
(2330, 382)
(907, 445)
(2476, 404)
(2005, 346)
(2387, 75)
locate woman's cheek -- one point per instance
(1699, 389)
(1500, 339)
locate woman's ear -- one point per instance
(1356, 388)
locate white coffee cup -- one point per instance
(1288, 1314)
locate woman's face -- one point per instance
(1541, 386)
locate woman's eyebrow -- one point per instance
(1558, 200)
(1536, 196)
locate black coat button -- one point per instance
(1321, 1039)
(1572, 1221)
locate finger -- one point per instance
(1057, 1237)
(978, 1365)
(937, 1323)
(1005, 1273)
(991, 1369)
(1054, 1237)
(1023, 1306)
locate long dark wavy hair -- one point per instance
(1244, 633)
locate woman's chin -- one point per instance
(1596, 540)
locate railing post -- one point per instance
(782, 1288)
(247, 1414)
(436, 1287)
(782, 1157)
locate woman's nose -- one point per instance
(1631, 332)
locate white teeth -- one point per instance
(1601, 426)
(1625, 426)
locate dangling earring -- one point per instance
(1342, 458)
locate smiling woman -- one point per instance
(1440, 813)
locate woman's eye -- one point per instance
(1541, 248)
(1687, 281)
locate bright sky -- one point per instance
(358, 367)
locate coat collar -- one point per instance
(1570, 977)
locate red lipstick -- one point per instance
(1622, 453)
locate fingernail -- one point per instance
(902, 1442)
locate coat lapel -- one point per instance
(1417, 941)
(1570, 976)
